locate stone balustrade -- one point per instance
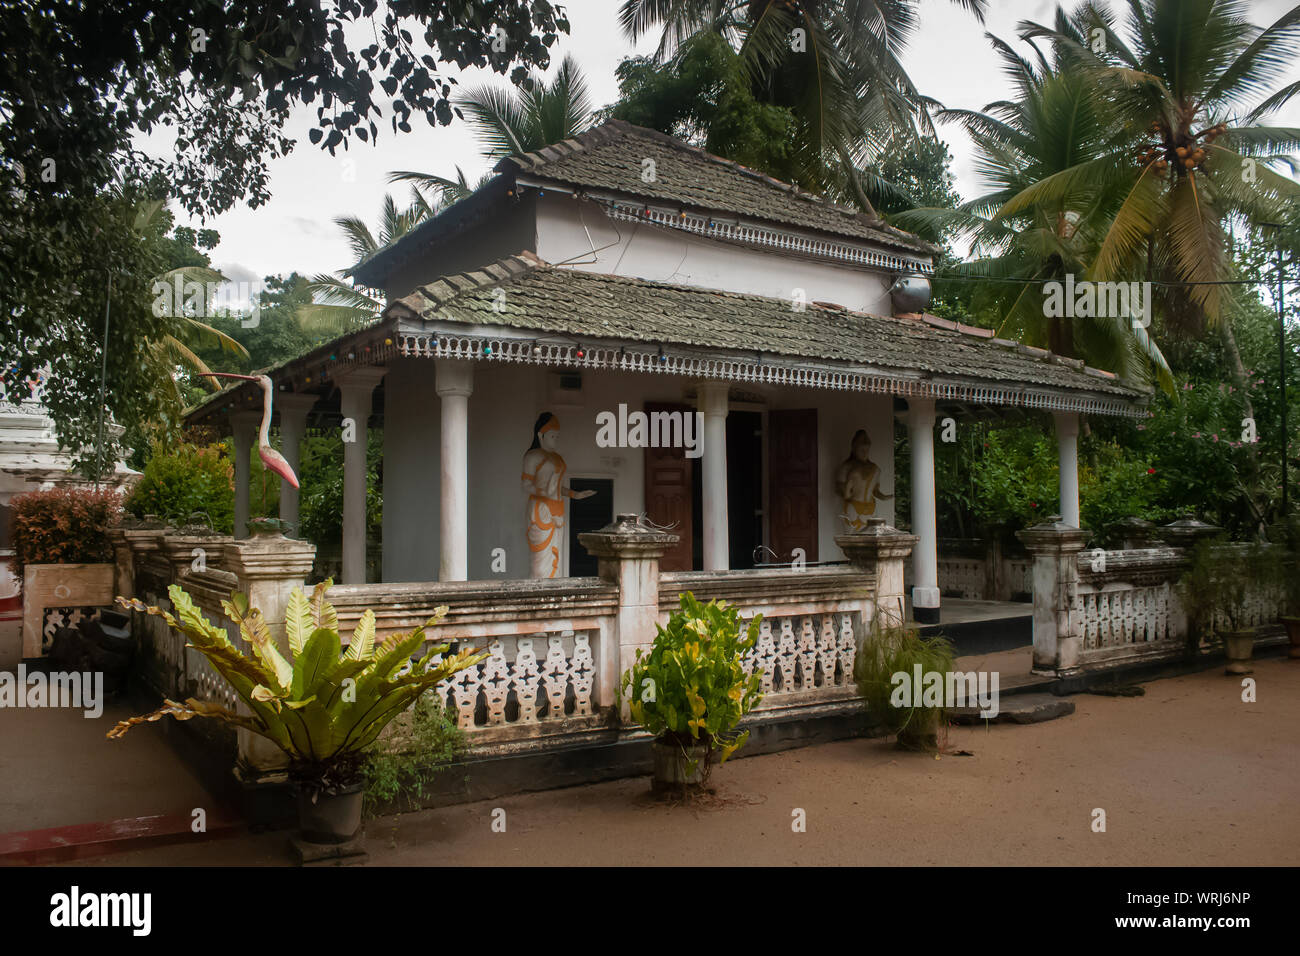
(1098, 610)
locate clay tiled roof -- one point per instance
(611, 157)
(541, 298)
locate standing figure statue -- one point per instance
(543, 482)
(857, 482)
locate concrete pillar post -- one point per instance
(356, 389)
(1058, 612)
(455, 384)
(628, 554)
(1067, 450)
(293, 408)
(244, 427)
(712, 401)
(878, 551)
(268, 568)
(925, 557)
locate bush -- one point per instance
(407, 756)
(64, 526)
(183, 480)
(692, 686)
(899, 650)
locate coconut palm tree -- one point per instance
(173, 349)
(1056, 122)
(834, 63)
(338, 306)
(538, 113)
(509, 122)
(1188, 85)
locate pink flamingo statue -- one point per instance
(270, 457)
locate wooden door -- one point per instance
(792, 493)
(668, 477)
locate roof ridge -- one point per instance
(613, 128)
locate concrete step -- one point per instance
(1019, 709)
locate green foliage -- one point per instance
(276, 337)
(703, 97)
(181, 480)
(1016, 479)
(410, 752)
(1220, 580)
(92, 83)
(321, 475)
(892, 650)
(692, 686)
(64, 526)
(324, 706)
(1117, 483)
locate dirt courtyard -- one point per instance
(1187, 775)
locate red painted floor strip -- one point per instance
(59, 844)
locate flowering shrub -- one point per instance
(64, 526)
(185, 479)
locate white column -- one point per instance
(293, 408)
(455, 384)
(244, 426)
(925, 557)
(1067, 451)
(356, 389)
(712, 401)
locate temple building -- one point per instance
(623, 323)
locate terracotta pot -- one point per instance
(332, 818)
(1238, 646)
(1292, 625)
(676, 767)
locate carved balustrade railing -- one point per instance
(813, 622)
(547, 643)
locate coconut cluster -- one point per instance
(1185, 152)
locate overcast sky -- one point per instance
(949, 59)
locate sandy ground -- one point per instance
(57, 769)
(1187, 775)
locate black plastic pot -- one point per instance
(331, 817)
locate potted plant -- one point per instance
(63, 553)
(887, 664)
(1215, 592)
(1287, 570)
(691, 690)
(324, 707)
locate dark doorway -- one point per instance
(744, 487)
(589, 514)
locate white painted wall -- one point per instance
(568, 229)
(507, 400)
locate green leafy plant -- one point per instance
(892, 649)
(409, 754)
(1217, 587)
(183, 479)
(328, 705)
(64, 526)
(691, 688)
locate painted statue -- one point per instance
(543, 482)
(857, 482)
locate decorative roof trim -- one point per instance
(770, 238)
(544, 349)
